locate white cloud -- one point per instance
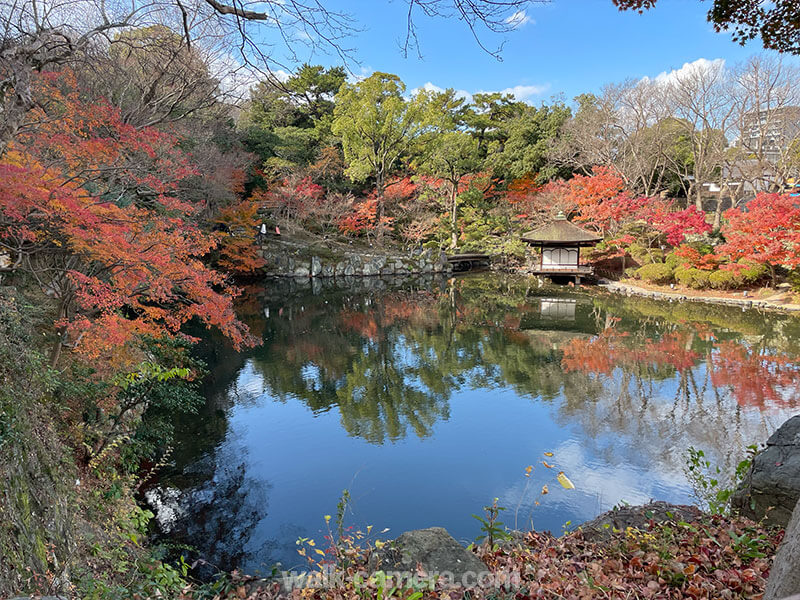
(432, 87)
(519, 19)
(701, 65)
(522, 93)
(363, 73)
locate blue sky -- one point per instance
(566, 47)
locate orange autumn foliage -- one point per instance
(91, 207)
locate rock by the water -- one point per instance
(602, 527)
(316, 266)
(370, 268)
(784, 577)
(771, 488)
(435, 550)
(302, 270)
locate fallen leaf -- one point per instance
(564, 481)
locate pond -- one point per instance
(427, 401)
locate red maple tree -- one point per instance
(601, 199)
(675, 225)
(765, 231)
(91, 208)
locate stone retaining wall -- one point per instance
(303, 263)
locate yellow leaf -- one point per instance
(565, 482)
(545, 490)
(327, 518)
(379, 544)
(547, 465)
(311, 543)
(528, 470)
(369, 528)
(548, 454)
(320, 552)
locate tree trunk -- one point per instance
(454, 217)
(718, 212)
(379, 197)
(55, 353)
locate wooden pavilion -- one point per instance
(560, 243)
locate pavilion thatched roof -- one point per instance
(560, 232)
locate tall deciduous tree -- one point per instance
(700, 101)
(378, 126)
(454, 155)
(766, 119)
(153, 76)
(41, 34)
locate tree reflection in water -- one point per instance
(633, 380)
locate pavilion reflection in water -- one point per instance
(561, 309)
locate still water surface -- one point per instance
(427, 402)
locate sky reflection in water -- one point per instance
(428, 403)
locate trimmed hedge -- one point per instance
(724, 280)
(655, 273)
(697, 279)
(673, 260)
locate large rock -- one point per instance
(316, 266)
(771, 488)
(619, 519)
(435, 550)
(784, 578)
(370, 268)
(301, 270)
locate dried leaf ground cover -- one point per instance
(716, 557)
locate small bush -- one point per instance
(794, 280)
(655, 273)
(725, 280)
(673, 260)
(696, 279)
